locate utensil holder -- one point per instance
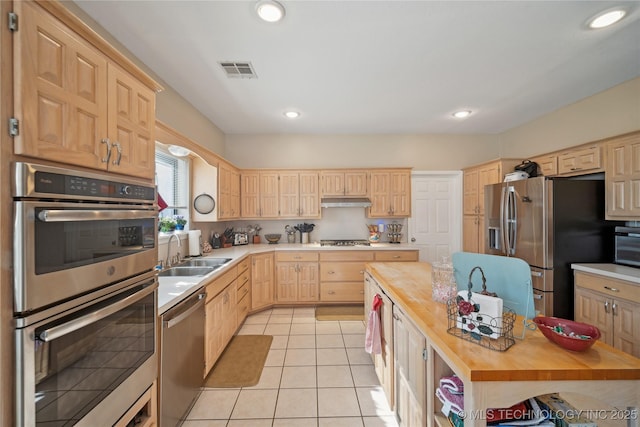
(291, 237)
(304, 237)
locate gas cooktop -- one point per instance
(344, 243)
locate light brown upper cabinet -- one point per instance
(622, 177)
(299, 194)
(74, 104)
(547, 164)
(581, 160)
(259, 194)
(474, 180)
(390, 193)
(228, 191)
(336, 183)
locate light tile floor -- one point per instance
(316, 374)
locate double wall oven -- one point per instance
(85, 292)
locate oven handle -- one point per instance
(61, 215)
(82, 321)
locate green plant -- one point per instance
(167, 224)
(180, 220)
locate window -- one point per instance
(172, 179)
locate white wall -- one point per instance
(426, 152)
(612, 112)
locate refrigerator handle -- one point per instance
(513, 231)
(503, 221)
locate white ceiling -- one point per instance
(378, 66)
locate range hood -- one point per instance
(338, 202)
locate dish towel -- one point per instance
(453, 383)
(373, 341)
(450, 401)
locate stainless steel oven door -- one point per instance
(62, 250)
(86, 366)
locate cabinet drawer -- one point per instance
(396, 256)
(243, 277)
(243, 265)
(296, 256)
(346, 255)
(613, 288)
(242, 291)
(217, 285)
(342, 291)
(342, 271)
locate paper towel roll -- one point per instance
(194, 243)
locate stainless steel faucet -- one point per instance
(169, 263)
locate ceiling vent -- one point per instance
(239, 70)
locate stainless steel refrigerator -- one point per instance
(549, 223)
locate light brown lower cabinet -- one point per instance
(384, 362)
(409, 353)
(297, 278)
(220, 316)
(262, 280)
(613, 306)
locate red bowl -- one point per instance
(572, 335)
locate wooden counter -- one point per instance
(493, 379)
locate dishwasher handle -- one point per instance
(168, 324)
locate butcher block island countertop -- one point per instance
(494, 379)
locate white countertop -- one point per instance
(615, 271)
(172, 290)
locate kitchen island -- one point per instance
(493, 379)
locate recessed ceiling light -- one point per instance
(270, 10)
(291, 114)
(607, 18)
(461, 114)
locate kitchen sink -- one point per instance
(206, 262)
(186, 271)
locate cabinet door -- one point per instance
(228, 192)
(60, 87)
(289, 193)
(470, 237)
(470, 192)
(626, 326)
(308, 282)
(355, 183)
(585, 159)
(249, 194)
(594, 308)
(380, 188)
(410, 371)
(547, 165)
(623, 178)
(269, 206)
(131, 119)
(286, 281)
(332, 183)
(309, 195)
(262, 281)
(491, 174)
(400, 193)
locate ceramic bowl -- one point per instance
(273, 238)
(568, 334)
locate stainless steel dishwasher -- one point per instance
(181, 358)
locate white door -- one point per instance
(435, 225)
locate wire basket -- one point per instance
(501, 327)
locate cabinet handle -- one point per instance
(362, 292)
(606, 307)
(361, 271)
(609, 288)
(613, 309)
(331, 292)
(396, 256)
(366, 279)
(106, 141)
(116, 162)
(331, 272)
